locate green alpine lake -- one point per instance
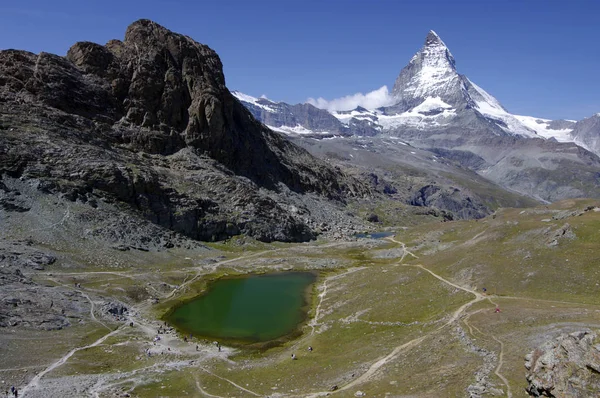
(250, 309)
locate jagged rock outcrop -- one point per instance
(149, 122)
(568, 366)
(563, 233)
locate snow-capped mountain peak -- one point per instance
(428, 95)
(435, 48)
(431, 72)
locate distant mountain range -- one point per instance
(436, 108)
(429, 93)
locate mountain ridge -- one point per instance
(441, 67)
(149, 124)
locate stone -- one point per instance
(565, 366)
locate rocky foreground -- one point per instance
(568, 366)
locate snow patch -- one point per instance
(298, 130)
(430, 104)
(258, 102)
(418, 116)
(541, 127)
(490, 107)
(346, 116)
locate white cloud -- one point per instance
(371, 100)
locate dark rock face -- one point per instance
(464, 158)
(453, 200)
(149, 122)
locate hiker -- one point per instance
(497, 310)
(310, 348)
(131, 324)
(219, 347)
(196, 347)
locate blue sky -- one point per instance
(538, 57)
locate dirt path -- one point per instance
(405, 251)
(231, 382)
(168, 342)
(379, 363)
(92, 310)
(549, 301)
(478, 297)
(477, 294)
(34, 383)
(203, 392)
(500, 354)
(201, 271)
(368, 375)
(315, 321)
(92, 305)
(500, 363)
(60, 222)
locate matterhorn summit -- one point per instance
(431, 86)
(431, 72)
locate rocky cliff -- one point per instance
(568, 366)
(149, 123)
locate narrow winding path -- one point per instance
(369, 374)
(34, 383)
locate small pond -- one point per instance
(375, 235)
(250, 309)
